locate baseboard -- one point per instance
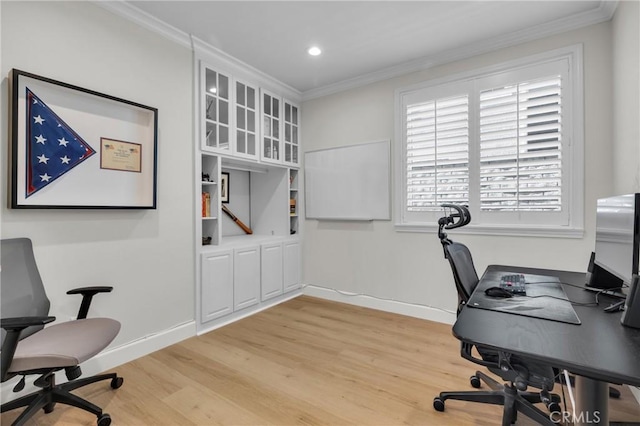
(237, 316)
(636, 392)
(112, 357)
(413, 310)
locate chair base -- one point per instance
(51, 394)
(507, 395)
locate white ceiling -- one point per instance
(361, 39)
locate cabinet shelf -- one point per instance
(204, 183)
(210, 218)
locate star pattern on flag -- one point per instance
(53, 148)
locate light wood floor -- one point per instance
(305, 362)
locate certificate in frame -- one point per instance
(74, 148)
(120, 155)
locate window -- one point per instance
(437, 153)
(505, 141)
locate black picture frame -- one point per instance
(224, 187)
(75, 148)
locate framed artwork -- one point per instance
(224, 187)
(74, 148)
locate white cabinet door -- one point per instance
(216, 286)
(246, 274)
(247, 135)
(271, 125)
(291, 125)
(291, 265)
(271, 270)
(216, 106)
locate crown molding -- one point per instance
(145, 20)
(150, 22)
(207, 52)
(603, 13)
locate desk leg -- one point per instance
(592, 402)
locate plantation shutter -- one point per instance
(437, 153)
(521, 146)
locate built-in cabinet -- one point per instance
(280, 129)
(250, 134)
(235, 279)
(280, 267)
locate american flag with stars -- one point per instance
(53, 148)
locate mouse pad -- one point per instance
(536, 303)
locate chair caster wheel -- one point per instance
(475, 381)
(438, 404)
(117, 382)
(104, 420)
(614, 393)
(49, 407)
(554, 407)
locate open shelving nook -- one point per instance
(259, 195)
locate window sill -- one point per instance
(505, 230)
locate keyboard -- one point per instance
(513, 283)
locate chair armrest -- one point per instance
(14, 327)
(87, 294)
(92, 290)
(20, 323)
(465, 352)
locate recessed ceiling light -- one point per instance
(314, 51)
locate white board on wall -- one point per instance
(349, 182)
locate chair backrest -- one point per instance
(464, 272)
(21, 289)
(458, 255)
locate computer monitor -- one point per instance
(615, 259)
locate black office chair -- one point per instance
(519, 373)
(30, 348)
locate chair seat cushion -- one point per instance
(64, 345)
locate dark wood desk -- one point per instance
(599, 351)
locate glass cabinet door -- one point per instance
(217, 110)
(246, 120)
(291, 132)
(270, 127)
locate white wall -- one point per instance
(375, 260)
(626, 89)
(147, 256)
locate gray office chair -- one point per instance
(519, 373)
(30, 348)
